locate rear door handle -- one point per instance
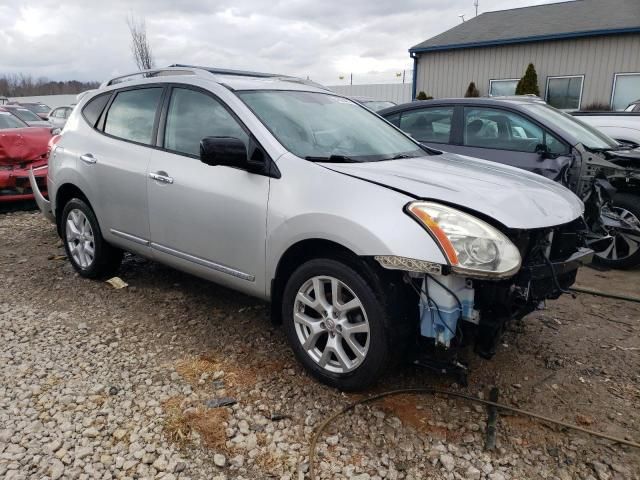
(88, 158)
(161, 177)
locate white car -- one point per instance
(621, 126)
(58, 116)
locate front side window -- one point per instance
(504, 130)
(626, 89)
(564, 93)
(428, 124)
(503, 88)
(132, 114)
(195, 115)
(319, 126)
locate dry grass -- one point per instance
(210, 423)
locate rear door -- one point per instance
(507, 137)
(208, 220)
(115, 162)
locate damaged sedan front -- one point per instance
(22, 148)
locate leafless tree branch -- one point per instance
(140, 47)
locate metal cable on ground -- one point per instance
(597, 293)
(433, 391)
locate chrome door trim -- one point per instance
(205, 263)
(128, 236)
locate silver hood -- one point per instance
(513, 197)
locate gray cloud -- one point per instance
(89, 40)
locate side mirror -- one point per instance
(227, 151)
(542, 150)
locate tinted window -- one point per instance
(428, 124)
(394, 118)
(503, 130)
(92, 110)
(193, 116)
(132, 114)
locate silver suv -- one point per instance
(371, 248)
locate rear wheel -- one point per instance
(90, 255)
(618, 246)
(338, 326)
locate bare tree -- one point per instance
(140, 47)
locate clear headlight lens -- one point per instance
(472, 246)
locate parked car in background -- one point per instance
(531, 135)
(26, 115)
(58, 116)
(366, 242)
(633, 107)
(621, 126)
(22, 148)
(39, 109)
(373, 104)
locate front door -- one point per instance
(509, 138)
(209, 220)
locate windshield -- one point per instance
(26, 115)
(585, 134)
(38, 107)
(319, 126)
(9, 121)
(376, 105)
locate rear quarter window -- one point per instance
(94, 107)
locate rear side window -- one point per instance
(428, 124)
(94, 107)
(132, 114)
(193, 116)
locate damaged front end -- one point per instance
(461, 306)
(21, 151)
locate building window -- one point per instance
(503, 87)
(626, 89)
(565, 92)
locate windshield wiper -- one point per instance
(401, 156)
(332, 159)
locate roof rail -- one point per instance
(228, 71)
(154, 72)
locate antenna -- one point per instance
(462, 17)
(475, 4)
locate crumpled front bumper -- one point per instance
(15, 184)
(43, 204)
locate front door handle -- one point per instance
(88, 158)
(161, 177)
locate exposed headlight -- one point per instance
(471, 246)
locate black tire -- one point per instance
(631, 203)
(388, 326)
(106, 259)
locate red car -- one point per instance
(22, 148)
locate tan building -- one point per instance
(584, 51)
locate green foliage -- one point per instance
(528, 84)
(472, 91)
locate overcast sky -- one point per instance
(324, 39)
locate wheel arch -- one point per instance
(312, 248)
(66, 192)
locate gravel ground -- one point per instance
(106, 383)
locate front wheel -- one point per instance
(337, 326)
(617, 241)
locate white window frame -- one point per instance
(553, 77)
(615, 81)
(500, 80)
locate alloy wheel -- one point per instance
(615, 244)
(80, 240)
(331, 324)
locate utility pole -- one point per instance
(475, 4)
(351, 81)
